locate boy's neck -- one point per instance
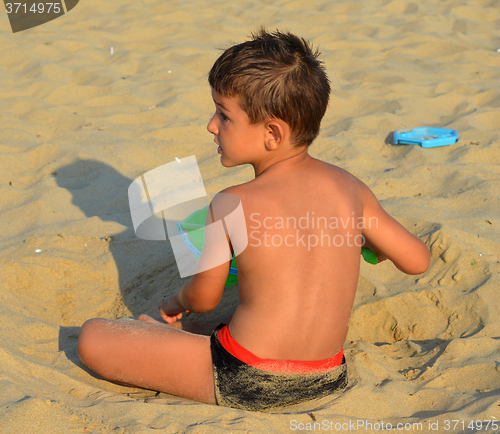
(281, 161)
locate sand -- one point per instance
(78, 124)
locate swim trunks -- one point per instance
(240, 384)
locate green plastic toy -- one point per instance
(194, 239)
(369, 256)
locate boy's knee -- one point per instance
(87, 341)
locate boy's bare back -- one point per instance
(299, 272)
(307, 221)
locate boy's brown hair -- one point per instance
(275, 75)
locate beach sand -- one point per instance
(78, 124)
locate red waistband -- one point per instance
(272, 365)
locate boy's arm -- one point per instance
(387, 238)
(201, 294)
(204, 290)
(197, 295)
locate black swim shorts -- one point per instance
(241, 386)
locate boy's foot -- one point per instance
(147, 318)
(199, 328)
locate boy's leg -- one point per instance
(198, 327)
(150, 356)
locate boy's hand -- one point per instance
(381, 257)
(171, 310)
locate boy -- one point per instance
(306, 221)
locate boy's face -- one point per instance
(239, 141)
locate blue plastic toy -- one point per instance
(427, 137)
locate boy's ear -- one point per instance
(277, 131)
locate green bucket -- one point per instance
(194, 239)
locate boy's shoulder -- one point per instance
(323, 174)
(330, 176)
(337, 174)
